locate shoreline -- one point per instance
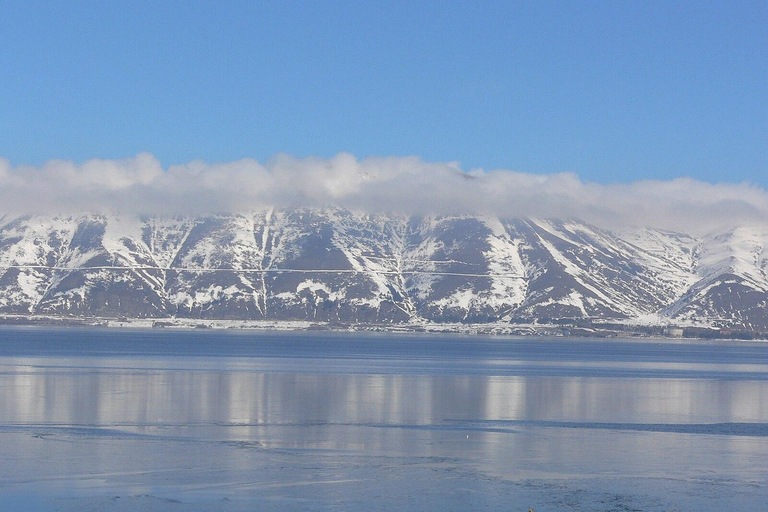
(560, 330)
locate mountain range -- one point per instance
(335, 265)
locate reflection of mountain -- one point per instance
(339, 266)
(146, 420)
(177, 397)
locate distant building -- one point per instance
(673, 332)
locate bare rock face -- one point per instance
(341, 266)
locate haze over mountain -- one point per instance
(405, 185)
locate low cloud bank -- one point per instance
(406, 185)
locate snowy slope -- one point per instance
(336, 265)
(732, 284)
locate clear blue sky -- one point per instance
(614, 91)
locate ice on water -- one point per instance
(140, 420)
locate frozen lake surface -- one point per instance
(95, 420)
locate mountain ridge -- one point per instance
(336, 265)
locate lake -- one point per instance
(97, 419)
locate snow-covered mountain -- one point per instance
(337, 265)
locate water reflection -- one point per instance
(143, 397)
(138, 425)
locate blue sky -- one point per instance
(613, 91)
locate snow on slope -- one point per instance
(608, 273)
(740, 251)
(29, 246)
(731, 287)
(506, 268)
(336, 265)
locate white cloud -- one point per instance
(407, 184)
